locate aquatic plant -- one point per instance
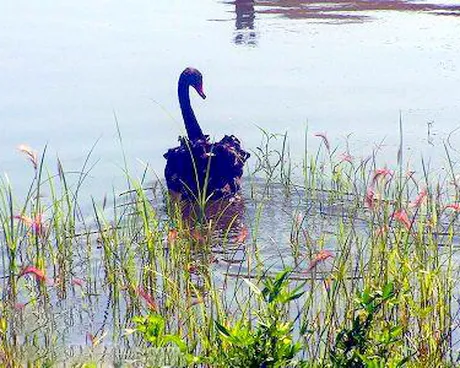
(265, 342)
(370, 248)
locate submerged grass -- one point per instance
(334, 262)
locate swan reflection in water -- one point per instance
(244, 24)
(218, 219)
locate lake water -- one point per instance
(345, 68)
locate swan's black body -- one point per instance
(199, 167)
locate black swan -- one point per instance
(198, 168)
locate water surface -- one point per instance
(346, 68)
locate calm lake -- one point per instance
(346, 68)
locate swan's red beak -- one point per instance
(199, 89)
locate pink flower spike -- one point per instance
(325, 140)
(320, 257)
(379, 173)
(172, 235)
(148, 298)
(243, 235)
(39, 274)
(401, 216)
(30, 154)
(346, 157)
(91, 338)
(19, 306)
(455, 207)
(78, 282)
(369, 198)
(24, 219)
(419, 200)
(35, 224)
(382, 231)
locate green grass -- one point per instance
(332, 261)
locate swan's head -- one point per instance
(194, 78)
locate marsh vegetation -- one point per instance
(334, 261)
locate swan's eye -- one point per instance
(197, 82)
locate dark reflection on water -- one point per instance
(340, 10)
(220, 216)
(332, 11)
(244, 24)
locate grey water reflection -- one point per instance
(244, 24)
(354, 11)
(328, 11)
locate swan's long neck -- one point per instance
(191, 124)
